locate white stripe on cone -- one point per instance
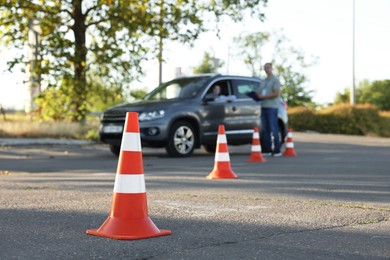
(131, 142)
(289, 134)
(289, 145)
(221, 139)
(256, 135)
(256, 148)
(129, 183)
(222, 157)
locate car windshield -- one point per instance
(178, 88)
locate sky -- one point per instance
(319, 28)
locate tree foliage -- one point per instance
(289, 63)
(209, 64)
(376, 93)
(111, 38)
(250, 47)
(344, 97)
(99, 97)
(138, 93)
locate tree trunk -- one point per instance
(79, 92)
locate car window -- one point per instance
(178, 88)
(225, 88)
(244, 86)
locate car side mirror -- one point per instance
(209, 97)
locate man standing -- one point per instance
(269, 93)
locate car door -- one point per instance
(242, 115)
(238, 113)
(215, 111)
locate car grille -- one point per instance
(114, 116)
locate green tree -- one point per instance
(344, 97)
(99, 97)
(65, 54)
(209, 64)
(109, 37)
(102, 96)
(376, 93)
(51, 111)
(294, 91)
(138, 93)
(288, 61)
(250, 50)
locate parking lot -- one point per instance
(332, 201)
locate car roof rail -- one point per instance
(214, 75)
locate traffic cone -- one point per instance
(256, 155)
(289, 145)
(128, 219)
(222, 169)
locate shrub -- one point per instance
(385, 123)
(354, 120)
(301, 119)
(53, 105)
(362, 119)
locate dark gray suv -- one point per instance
(183, 114)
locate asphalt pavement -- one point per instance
(332, 201)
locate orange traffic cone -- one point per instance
(289, 145)
(128, 219)
(256, 155)
(222, 169)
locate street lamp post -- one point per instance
(352, 92)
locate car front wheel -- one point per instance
(115, 149)
(181, 142)
(210, 148)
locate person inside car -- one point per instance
(219, 97)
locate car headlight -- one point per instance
(145, 116)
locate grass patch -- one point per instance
(370, 221)
(365, 207)
(250, 198)
(20, 125)
(186, 195)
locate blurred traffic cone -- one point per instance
(256, 155)
(222, 169)
(128, 219)
(289, 145)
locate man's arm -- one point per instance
(274, 94)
